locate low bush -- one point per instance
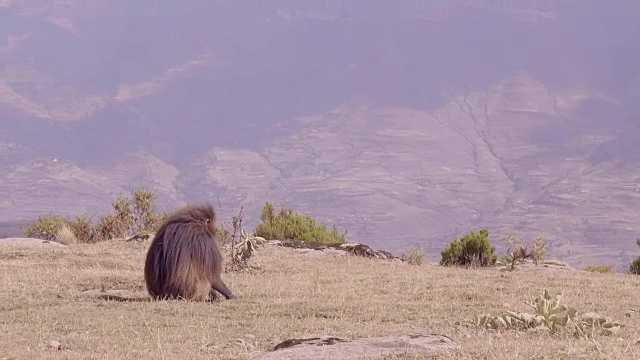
(473, 249)
(550, 314)
(634, 267)
(82, 228)
(288, 225)
(130, 216)
(46, 227)
(106, 228)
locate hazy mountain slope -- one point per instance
(403, 122)
(393, 173)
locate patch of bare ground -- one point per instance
(51, 308)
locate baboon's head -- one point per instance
(203, 214)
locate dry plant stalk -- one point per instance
(66, 236)
(516, 253)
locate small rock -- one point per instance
(55, 345)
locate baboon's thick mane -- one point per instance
(184, 259)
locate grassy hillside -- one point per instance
(51, 294)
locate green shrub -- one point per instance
(634, 268)
(288, 225)
(46, 227)
(600, 268)
(474, 249)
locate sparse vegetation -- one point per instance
(407, 294)
(51, 293)
(130, 216)
(289, 225)
(473, 249)
(517, 253)
(603, 269)
(243, 250)
(550, 315)
(414, 256)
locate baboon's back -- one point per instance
(183, 261)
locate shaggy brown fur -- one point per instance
(183, 260)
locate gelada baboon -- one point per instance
(183, 261)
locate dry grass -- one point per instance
(51, 293)
(66, 236)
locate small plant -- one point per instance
(473, 249)
(634, 267)
(414, 256)
(246, 247)
(288, 225)
(46, 227)
(65, 236)
(517, 253)
(237, 229)
(243, 250)
(603, 269)
(550, 315)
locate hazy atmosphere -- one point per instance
(403, 122)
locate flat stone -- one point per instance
(334, 348)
